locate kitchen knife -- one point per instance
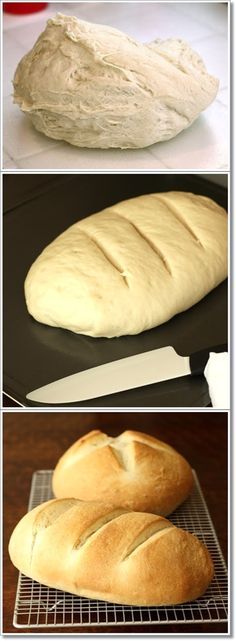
(126, 373)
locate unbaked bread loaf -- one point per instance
(91, 550)
(130, 267)
(95, 86)
(134, 470)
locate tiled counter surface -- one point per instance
(204, 145)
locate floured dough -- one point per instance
(94, 86)
(130, 267)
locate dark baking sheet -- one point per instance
(36, 210)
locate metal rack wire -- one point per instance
(38, 606)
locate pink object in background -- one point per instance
(22, 8)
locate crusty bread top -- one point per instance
(92, 550)
(134, 470)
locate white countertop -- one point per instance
(202, 146)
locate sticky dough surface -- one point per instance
(95, 86)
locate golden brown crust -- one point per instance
(134, 470)
(127, 557)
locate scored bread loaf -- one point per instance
(131, 266)
(94, 551)
(134, 470)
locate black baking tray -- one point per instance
(36, 210)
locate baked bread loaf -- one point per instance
(130, 267)
(95, 86)
(91, 550)
(134, 470)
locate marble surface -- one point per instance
(202, 146)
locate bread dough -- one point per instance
(130, 267)
(94, 86)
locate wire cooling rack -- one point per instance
(39, 606)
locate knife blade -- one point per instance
(127, 373)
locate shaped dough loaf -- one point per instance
(94, 86)
(130, 267)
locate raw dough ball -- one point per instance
(94, 86)
(130, 267)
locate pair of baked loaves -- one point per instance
(131, 266)
(103, 543)
(95, 86)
